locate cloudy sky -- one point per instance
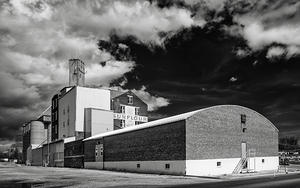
(177, 55)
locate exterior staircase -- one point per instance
(240, 165)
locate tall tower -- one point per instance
(76, 72)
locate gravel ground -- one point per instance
(29, 176)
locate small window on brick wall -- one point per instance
(122, 123)
(218, 163)
(130, 99)
(167, 166)
(243, 118)
(263, 160)
(138, 165)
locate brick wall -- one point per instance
(217, 133)
(89, 149)
(73, 148)
(165, 142)
(123, 99)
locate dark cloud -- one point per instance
(189, 54)
(194, 69)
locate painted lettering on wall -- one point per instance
(130, 117)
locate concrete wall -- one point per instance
(67, 114)
(56, 153)
(176, 167)
(97, 121)
(90, 98)
(37, 157)
(38, 132)
(72, 105)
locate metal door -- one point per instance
(244, 155)
(244, 150)
(99, 152)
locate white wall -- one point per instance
(77, 99)
(270, 163)
(38, 133)
(158, 167)
(90, 98)
(98, 121)
(208, 167)
(93, 165)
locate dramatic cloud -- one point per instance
(258, 37)
(275, 52)
(39, 36)
(183, 54)
(154, 102)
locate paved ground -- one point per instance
(24, 176)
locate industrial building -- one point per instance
(35, 134)
(107, 129)
(78, 112)
(218, 140)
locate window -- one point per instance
(130, 99)
(55, 116)
(64, 124)
(68, 122)
(243, 118)
(136, 111)
(122, 109)
(218, 163)
(167, 166)
(122, 123)
(263, 160)
(68, 110)
(138, 165)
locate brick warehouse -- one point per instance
(218, 140)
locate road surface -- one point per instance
(25, 176)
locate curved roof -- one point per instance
(164, 121)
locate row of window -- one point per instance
(68, 123)
(122, 110)
(54, 116)
(167, 166)
(54, 103)
(68, 110)
(122, 123)
(219, 162)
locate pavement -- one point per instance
(29, 176)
